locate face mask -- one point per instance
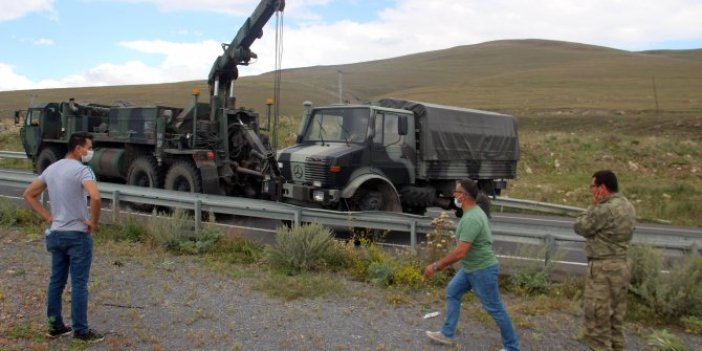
(88, 157)
(457, 203)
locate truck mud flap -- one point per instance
(210, 177)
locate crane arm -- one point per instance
(224, 69)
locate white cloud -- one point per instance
(12, 9)
(43, 41)
(410, 26)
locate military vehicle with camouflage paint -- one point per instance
(396, 155)
(213, 148)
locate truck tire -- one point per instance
(371, 201)
(47, 156)
(183, 176)
(416, 199)
(143, 172)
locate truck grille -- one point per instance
(315, 171)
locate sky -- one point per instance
(76, 43)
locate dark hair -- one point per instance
(470, 187)
(472, 190)
(608, 178)
(78, 139)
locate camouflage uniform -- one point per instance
(607, 228)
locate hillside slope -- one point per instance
(518, 76)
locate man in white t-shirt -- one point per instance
(69, 237)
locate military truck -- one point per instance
(213, 148)
(396, 155)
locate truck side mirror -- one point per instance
(402, 127)
(298, 140)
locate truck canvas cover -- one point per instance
(481, 140)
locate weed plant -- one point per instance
(530, 277)
(662, 340)
(667, 290)
(175, 233)
(299, 249)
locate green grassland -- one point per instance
(580, 108)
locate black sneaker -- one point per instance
(91, 336)
(56, 332)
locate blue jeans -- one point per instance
(71, 251)
(484, 283)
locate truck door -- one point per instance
(31, 132)
(391, 152)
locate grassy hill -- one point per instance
(516, 76)
(580, 108)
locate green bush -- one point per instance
(671, 291)
(8, 213)
(530, 281)
(299, 248)
(662, 340)
(175, 232)
(131, 231)
(237, 251)
(380, 273)
(408, 276)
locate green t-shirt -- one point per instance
(475, 229)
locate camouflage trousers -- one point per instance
(604, 307)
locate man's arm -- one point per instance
(31, 195)
(454, 256)
(91, 187)
(591, 221)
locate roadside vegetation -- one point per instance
(665, 297)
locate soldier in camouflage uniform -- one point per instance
(607, 226)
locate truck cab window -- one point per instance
(335, 125)
(390, 135)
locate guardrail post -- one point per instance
(297, 216)
(551, 247)
(413, 235)
(115, 206)
(198, 216)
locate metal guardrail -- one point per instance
(533, 233)
(536, 206)
(13, 154)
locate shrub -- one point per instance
(340, 256)
(237, 251)
(662, 340)
(408, 276)
(8, 213)
(673, 293)
(299, 248)
(533, 276)
(380, 273)
(176, 233)
(131, 231)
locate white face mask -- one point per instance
(457, 203)
(88, 157)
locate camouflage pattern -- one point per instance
(608, 228)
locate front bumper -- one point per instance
(306, 193)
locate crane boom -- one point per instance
(224, 69)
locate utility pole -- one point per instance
(341, 84)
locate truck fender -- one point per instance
(384, 185)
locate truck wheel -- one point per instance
(143, 172)
(414, 197)
(371, 201)
(47, 156)
(183, 176)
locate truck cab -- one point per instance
(348, 157)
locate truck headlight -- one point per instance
(317, 184)
(318, 195)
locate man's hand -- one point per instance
(597, 196)
(429, 271)
(92, 226)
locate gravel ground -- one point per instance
(153, 301)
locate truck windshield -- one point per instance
(348, 125)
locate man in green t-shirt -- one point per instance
(478, 272)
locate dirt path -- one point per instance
(153, 301)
